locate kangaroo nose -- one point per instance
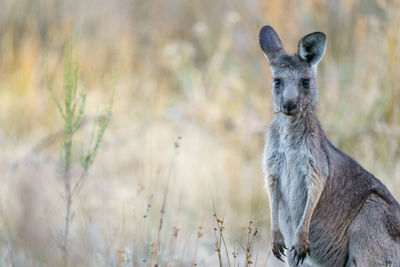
(289, 106)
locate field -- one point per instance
(177, 177)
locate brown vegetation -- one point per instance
(184, 68)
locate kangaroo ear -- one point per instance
(312, 47)
(270, 42)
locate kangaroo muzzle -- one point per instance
(290, 101)
(289, 107)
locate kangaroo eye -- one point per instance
(277, 83)
(306, 83)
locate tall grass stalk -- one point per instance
(219, 236)
(72, 114)
(8, 237)
(157, 257)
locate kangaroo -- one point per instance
(328, 209)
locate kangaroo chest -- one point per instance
(292, 155)
(289, 158)
(292, 184)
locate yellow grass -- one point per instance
(192, 69)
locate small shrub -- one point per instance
(72, 112)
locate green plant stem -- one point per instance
(68, 196)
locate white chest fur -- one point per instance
(288, 163)
(292, 182)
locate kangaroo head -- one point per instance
(294, 88)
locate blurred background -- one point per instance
(185, 141)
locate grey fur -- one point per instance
(321, 200)
(312, 47)
(270, 42)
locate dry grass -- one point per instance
(184, 68)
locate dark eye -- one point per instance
(306, 83)
(277, 83)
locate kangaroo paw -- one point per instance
(301, 248)
(278, 245)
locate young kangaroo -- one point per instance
(324, 205)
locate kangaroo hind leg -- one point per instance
(370, 243)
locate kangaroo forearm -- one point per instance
(315, 188)
(273, 203)
(274, 214)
